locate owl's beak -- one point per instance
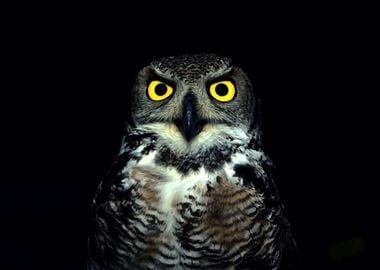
(190, 125)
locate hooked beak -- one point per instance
(190, 125)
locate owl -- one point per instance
(191, 187)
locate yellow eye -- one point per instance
(223, 91)
(158, 90)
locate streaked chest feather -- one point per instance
(172, 208)
(186, 218)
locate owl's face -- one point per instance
(191, 95)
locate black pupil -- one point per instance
(221, 89)
(161, 89)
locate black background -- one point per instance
(65, 101)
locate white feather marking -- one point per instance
(147, 160)
(127, 183)
(256, 154)
(211, 135)
(230, 173)
(112, 205)
(239, 158)
(177, 189)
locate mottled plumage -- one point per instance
(191, 187)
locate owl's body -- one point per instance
(191, 187)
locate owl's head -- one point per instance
(192, 98)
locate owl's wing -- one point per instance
(275, 211)
(112, 204)
(102, 215)
(111, 181)
(290, 254)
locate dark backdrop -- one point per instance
(66, 83)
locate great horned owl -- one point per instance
(191, 187)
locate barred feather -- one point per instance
(150, 216)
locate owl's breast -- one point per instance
(196, 218)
